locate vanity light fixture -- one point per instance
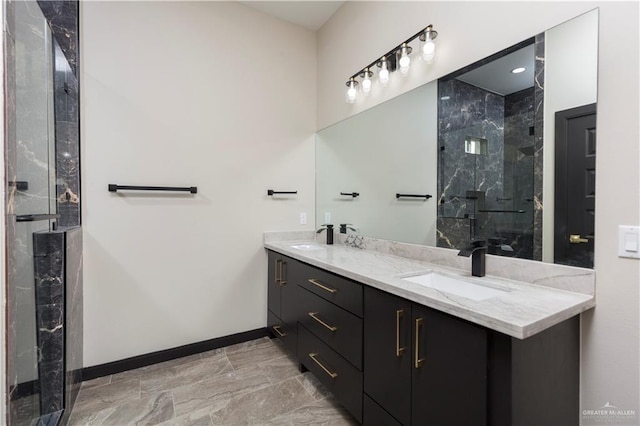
(383, 75)
(428, 47)
(366, 80)
(405, 60)
(397, 58)
(352, 91)
(518, 70)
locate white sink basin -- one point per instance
(307, 247)
(456, 286)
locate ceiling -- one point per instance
(496, 76)
(307, 14)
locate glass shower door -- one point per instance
(31, 206)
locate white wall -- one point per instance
(570, 80)
(212, 94)
(471, 31)
(387, 149)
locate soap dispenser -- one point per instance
(329, 228)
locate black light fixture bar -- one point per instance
(391, 54)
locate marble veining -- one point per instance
(539, 296)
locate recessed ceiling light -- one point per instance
(445, 98)
(518, 70)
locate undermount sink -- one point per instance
(456, 286)
(307, 247)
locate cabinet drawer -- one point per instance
(336, 327)
(343, 292)
(342, 379)
(288, 334)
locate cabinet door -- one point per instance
(449, 384)
(290, 309)
(387, 352)
(275, 267)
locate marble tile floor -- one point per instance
(250, 383)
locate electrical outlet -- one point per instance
(303, 218)
(327, 217)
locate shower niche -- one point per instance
(488, 144)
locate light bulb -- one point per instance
(428, 46)
(366, 81)
(405, 61)
(352, 92)
(383, 74)
(428, 51)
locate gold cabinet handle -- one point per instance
(276, 329)
(417, 360)
(326, 370)
(283, 272)
(399, 350)
(276, 271)
(576, 239)
(314, 315)
(322, 285)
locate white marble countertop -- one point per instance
(521, 310)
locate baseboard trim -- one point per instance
(115, 367)
(21, 390)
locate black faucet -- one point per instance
(345, 226)
(477, 251)
(329, 228)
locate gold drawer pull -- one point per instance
(326, 370)
(276, 328)
(276, 271)
(418, 361)
(399, 350)
(315, 317)
(322, 286)
(283, 272)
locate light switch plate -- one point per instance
(629, 241)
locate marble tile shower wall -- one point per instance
(538, 87)
(509, 177)
(62, 16)
(468, 181)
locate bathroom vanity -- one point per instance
(394, 348)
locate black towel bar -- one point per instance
(116, 188)
(351, 194)
(272, 192)
(35, 217)
(426, 196)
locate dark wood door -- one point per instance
(449, 383)
(387, 354)
(575, 178)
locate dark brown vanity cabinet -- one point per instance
(422, 367)
(390, 361)
(330, 334)
(282, 299)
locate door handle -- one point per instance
(417, 360)
(576, 239)
(399, 350)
